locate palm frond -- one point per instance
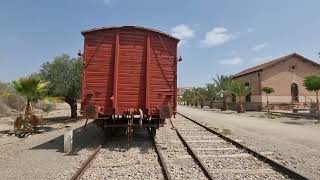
(30, 87)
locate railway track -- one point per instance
(118, 159)
(223, 158)
(183, 149)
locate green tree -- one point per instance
(186, 96)
(64, 77)
(312, 83)
(240, 90)
(195, 96)
(268, 90)
(201, 95)
(223, 82)
(211, 90)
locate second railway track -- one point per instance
(223, 158)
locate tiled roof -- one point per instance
(271, 63)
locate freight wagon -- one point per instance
(129, 77)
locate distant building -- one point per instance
(285, 75)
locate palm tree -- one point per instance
(201, 95)
(211, 93)
(223, 82)
(240, 90)
(32, 89)
(187, 96)
(195, 96)
(268, 90)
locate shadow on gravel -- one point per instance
(310, 122)
(42, 129)
(54, 120)
(92, 137)
(294, 123)
(214, 110)
(5, 132)
(88, 138)
(120, 143)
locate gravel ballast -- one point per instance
(224, 164)
(123, 159)
(293, 142)
(179, 168)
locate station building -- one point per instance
(285, 75)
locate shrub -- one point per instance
(10, 100)
(4, 109)
(45, 105)
(15, 102)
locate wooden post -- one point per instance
(148, 62)
(115, 75)
(68, 136)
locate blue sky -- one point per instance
(218, 37)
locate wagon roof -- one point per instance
(124, 27)
(272, 63)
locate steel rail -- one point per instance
(86, 164)
(160, 158)
(193, 154)
(278, 167)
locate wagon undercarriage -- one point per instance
(128, 123)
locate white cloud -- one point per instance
(183, 32)
(258, 47)
(217, 36)
(231, 61)
(106, 2)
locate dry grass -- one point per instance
(10, 101)
(5, 110)
(14, 101)
(45, 106)
(226, 132)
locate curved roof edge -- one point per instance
(135, 27)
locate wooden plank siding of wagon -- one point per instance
(98, 66)
(129, 68)
(115, 75)
(162, 83)
(148, 72)
(132, 71)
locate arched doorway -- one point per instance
(248, 97)
(294, 92)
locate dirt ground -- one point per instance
(41, 156)
(294, 142)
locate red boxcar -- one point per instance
(129, 71)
